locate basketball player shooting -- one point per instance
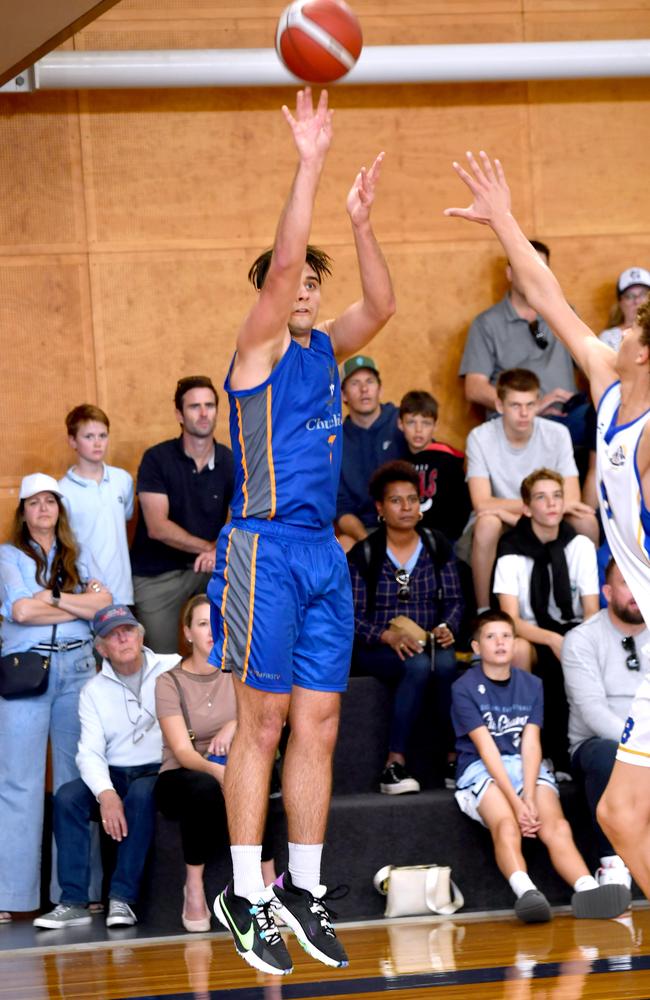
(281, 597)
(620, 388)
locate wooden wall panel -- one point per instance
(41, 196)
(588, 140)
(213, 167)
(128, 219)
(47, 360)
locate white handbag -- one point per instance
(416, 890)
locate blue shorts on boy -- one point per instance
(476, 780)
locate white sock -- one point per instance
(585, 882)
(247, 870)
(304, 865)
(521, 882)
(612, 861)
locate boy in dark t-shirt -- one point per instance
(444, 496)
(497, 712)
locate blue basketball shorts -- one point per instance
(281, 607)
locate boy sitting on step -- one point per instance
(497, 713)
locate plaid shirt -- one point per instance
(435, 597)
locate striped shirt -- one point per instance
(435, 596)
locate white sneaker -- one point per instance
(614, 875)
(120, 914)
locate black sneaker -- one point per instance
(395, 780)
(309, 918)
(254, 932)
(450, 775)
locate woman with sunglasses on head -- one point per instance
(48, 598)
(632, 290)
(404, 570)
(197, 711)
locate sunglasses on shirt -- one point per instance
(403, 580)
(537, 335)
(632, 661)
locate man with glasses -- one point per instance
(407, 572)
(184, 488)
(119, 756)
(602, 664)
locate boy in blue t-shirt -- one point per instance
(497, 713)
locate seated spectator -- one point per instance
(404, 570)
(197, 712)
(546, 579)
(502, 783)
(119, 756)
(99, 500)
(602, 665)
(632, 290)
(511, 335)
(444, 497)
(370, 437)
(504, 451)
(184, 486)
(48, 594)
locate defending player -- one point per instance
(282, 607)
(620, 387)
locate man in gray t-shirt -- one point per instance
(603, 663)
(500, 454)
(511, 335)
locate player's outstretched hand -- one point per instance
(489, 188)
(312, 130)
(362, 192)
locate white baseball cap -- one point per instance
(632, 276)
(38, 482)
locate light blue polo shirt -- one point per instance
(98, 513)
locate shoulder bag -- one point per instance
(418, 890)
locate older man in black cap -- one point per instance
(119, 756)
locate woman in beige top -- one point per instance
(189, 785)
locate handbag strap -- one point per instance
(439, 883)
(181, 696)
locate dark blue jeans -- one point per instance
(74, 807)
(592, 764)
(410, 677)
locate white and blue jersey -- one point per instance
(626, 519)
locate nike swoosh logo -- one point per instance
(246, 940)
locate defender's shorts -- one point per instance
(634, 747)
(282, 607)
(476, 779)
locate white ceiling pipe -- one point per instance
(377, 64)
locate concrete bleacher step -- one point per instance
(367, 830)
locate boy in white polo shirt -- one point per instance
(99, 500)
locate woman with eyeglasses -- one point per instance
(632, 290)
(197, 712)
(48, 596)
(404, 571)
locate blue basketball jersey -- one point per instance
(286, 439)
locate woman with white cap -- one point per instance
(48, 597)
(632, 290)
